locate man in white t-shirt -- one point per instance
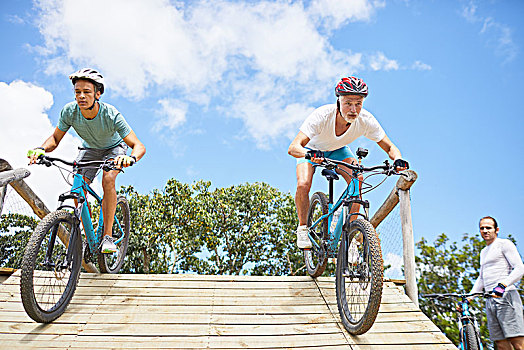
(500, 268)
(326, 133)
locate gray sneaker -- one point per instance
(107, 246)
(303, 241)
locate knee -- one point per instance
(108, 182)
(303, 186)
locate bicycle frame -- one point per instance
(464, 319)
(78, 191)
(346, 199)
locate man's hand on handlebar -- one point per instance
(124, 161)
(34, 153)
(315, 156)
(400, 164)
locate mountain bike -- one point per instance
(360, 268)
(53, 256)
(468, 327)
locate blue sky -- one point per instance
(217, 90)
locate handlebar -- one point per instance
(455, 295)
(332, 164)
(106, 165)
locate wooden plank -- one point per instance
(219, 312)
(159, 329)
(401, 338)
(407, 347)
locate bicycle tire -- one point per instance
(470, 337)
(46, 291)
(316, 259)
(112, 263)
(359, 288)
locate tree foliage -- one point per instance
(244, 229)
(15, 230)
(446, 267)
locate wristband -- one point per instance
(134, 158)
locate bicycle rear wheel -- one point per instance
(112, 263)
(315, 258)
(470, 337)
(359, 277)
(48, 281)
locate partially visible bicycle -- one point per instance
(53, 256)
(360, 268)
(468, 327)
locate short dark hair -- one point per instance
(491, 218)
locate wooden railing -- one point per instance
(400, 194)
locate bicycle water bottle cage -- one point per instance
(330, 174)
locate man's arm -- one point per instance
(512, 256)
(388, 147)
(393, 153)
(138, 148)
(297, 147)
(50, 144)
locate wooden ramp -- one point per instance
(211, 312)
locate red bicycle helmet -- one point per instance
(351, 86)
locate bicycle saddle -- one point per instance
(329, 174)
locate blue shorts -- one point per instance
(338, 154)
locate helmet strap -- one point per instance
(93, 106)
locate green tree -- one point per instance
(15, 230)
(244, 229)
(446, 267)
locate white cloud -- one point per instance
(420, 66)
(172, 114)
(396, 262)
(379, 61)
(25, 125)
(334, 13)
(264, 58)
(498, 35)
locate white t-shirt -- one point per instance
(319, 126)
(500, 262)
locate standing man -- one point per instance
(326, 133)
(500, 267)
(105, 134)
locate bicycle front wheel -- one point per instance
(316, 259)
(112, 263)
(48, 278)
(359, 277)
(470, 337)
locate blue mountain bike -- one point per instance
(360, 268)
(468, 327)
(53, 256)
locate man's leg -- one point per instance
(503, 344)
(109, 200)
(305, 173)
(517, 342)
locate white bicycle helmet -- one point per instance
(89, 74)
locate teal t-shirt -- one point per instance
(104, 131)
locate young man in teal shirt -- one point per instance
(105, 134)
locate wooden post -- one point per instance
(408, 245)
(400, 193)
(40, 209)
(3, 191)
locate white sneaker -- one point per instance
(108, 246)
(303, 241)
